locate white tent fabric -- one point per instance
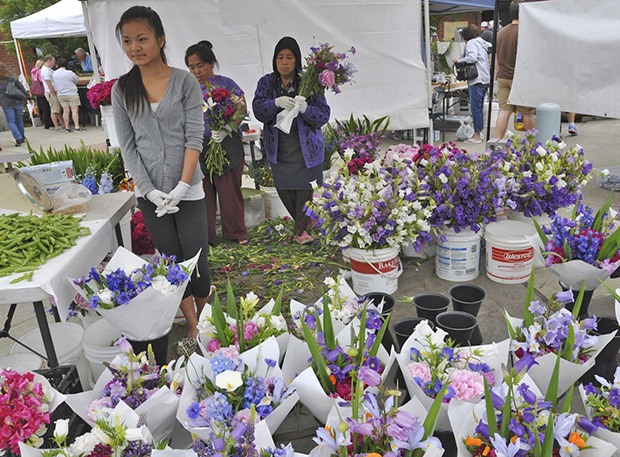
(386, 34)
(577, 67)
(62, 19)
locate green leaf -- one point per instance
(377, 343)
(488, 402)
(506, 410)
(579, 300)
(568, 400)
(433, 413)
(569, 342)
(600, 215)
(219, 321)
(277, 306)
(528, 316)
(317, 358)
(543, 236)
(231, 303)
(361, 339)
(547, 448)
(552, 389)
(511, 330)
(328, 327)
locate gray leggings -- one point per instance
(182, 234)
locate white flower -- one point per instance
(562, 145)
(229, 380)
(251, 299)
(443, 178)
(605, 172)
(106, 296)
(62, 428)
(539, 166)
(278, 323)
(161, 284)
(329, 281)
(279, 227)
(84, 444)
(424, 162)
(138, 434)
(423, 333)
(541, 151)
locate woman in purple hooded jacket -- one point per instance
(296, 158)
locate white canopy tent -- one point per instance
(62, 19)
(386, 34)
(577, 67)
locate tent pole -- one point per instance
(22, 69)
(91, 43)
(493, 50)
(429, 68)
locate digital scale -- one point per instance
(21, 192)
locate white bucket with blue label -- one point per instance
(458, 255)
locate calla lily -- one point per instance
(229, 380)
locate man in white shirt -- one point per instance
(65, 83)
(47, 74)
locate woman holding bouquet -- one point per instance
(226, 187)
(158, 117)
(296, 158)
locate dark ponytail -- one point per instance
(130, 83)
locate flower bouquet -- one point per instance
(241, 325)
(583, 247)
(137, 381)
(141, 242)
(324, 69)
(122, 434)
(26, 403)
(430, 364)
(543, 178)
(373, 209)
(603, 407)
(375, 425)
(139, 299)
(223, 110)
(232, 388)
(467, 188)
(545, 333)
(326, 363)
(100, 94)
(514, 420)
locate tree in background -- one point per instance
(11, 10)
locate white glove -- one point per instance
(163, 210)
(301, 103)
(285, 102)
(176, 195)
(218, 135)
(157, 197)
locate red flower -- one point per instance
(141, 242)
(220, 93)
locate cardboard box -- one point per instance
(51, 175)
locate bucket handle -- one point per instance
(400, 267)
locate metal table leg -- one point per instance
(119, 235)
(46, 335)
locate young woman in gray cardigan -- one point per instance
(158, 117)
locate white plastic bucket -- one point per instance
(97, 341)
(375, 270)
(543, 219)
(273, 204)
(107, 115)
(458, 257)
(67, 338)
(510, 255)
(22, 361)
(427, 251)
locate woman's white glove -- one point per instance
(176, 195)
(218, 135)
(157, 197)
(301, 103)
(285, 102)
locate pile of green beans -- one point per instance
(26, 242)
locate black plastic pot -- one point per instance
(405, 327)
(605, 363)
(585, 302)
(459, 325)
(159, 346)
(468, 298)
(428, 306)
(388, 306)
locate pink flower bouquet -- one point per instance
(100, 94)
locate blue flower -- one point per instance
(193, 410)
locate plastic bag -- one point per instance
(465, 131)
(71, 197)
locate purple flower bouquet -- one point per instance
(602, 406)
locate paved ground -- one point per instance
(599, 138)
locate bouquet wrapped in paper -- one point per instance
(139, 299)
(584, 247)
(137, 381)
(515, 420)
(430, 364)
(325, 364)
(544, 333)
(231, 389)
(26, 403)
(241, 325)
(602, 406)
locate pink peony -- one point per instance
(213, 345)
(420, 370)
(231, 352)
(327, 78)
(466, 384)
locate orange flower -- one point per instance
(373, 454)
(332, 378)
(486, 451)
(577, 440)
(469, 441)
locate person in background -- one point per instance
(38, 90)
(158, 118)
(65, 82)
(47, 73)
(506, 55)
(486, 32)
(572, 130)
(296, 158)
(86, 61)
(13, 107)
(226, 188)
(476, 52)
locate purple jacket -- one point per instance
(308, 124)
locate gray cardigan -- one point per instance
(153, 143)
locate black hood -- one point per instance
(288, 43)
